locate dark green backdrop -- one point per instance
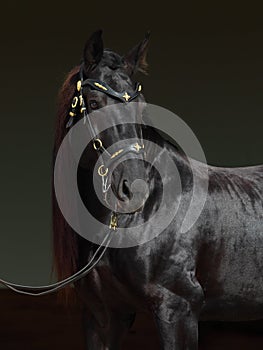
(205, 65)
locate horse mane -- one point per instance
(65, 239)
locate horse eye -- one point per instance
(93, 104)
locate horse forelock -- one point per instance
(111, 59)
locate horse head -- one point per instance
(112, 104)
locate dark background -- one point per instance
(205, 65)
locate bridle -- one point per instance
(78, 104)
(103, 170)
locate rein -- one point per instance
(103, 169)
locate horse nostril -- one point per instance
(125, 188)
(125, 191)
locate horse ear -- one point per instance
(93, 50)
(135, 59)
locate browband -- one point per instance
(78, 100)
(105, 88)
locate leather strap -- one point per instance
(106, 89)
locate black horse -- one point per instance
(211, 272)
